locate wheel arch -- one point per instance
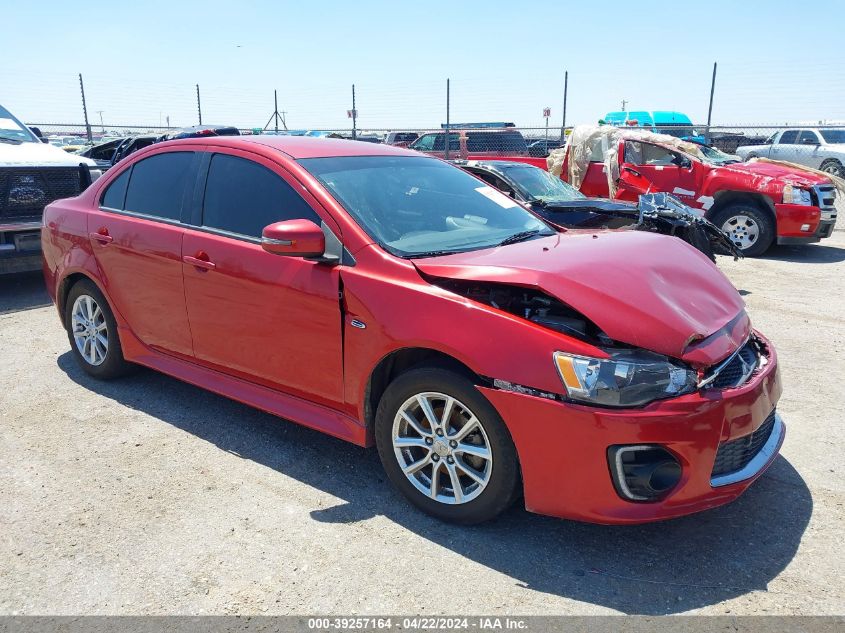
(723, 199)
(400, 361)
(69, 281)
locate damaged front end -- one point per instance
(627, 377)
(656, 213)
(665, 214)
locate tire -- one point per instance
(751, 229)
(833, 167)
(86, 310)
(469, 501)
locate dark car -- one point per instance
(473, 143)
(103, 153)
(196, 131)
(560, 203)
(133, 144)
(541, 147)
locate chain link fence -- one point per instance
(815, 146)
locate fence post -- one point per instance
(446, 136)
(199, 105)
(354, 116)
(85, 111)
(710, 108)
(563, 123)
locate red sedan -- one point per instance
(389, 298)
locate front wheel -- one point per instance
(751, 230)
(445, 447)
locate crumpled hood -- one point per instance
(37, 155)
(650, 291)
(781, 173)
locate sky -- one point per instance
(778, 61)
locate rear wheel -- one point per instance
(92, 332)
(751, 230)
(833, 167)
(445, 447)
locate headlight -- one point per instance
(627, 379)
(795, 195)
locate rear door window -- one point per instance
(789, 137)
(158, 183)
(243, 197)
(808, 137)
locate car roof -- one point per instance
(305, 147)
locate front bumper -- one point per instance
(562, 448)
(824, 229)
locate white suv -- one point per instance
(819, 148)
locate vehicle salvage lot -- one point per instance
(147, 495)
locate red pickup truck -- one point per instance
(756, 204)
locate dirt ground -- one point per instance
(149, 496)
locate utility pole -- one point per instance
(100, 112)
(446, 143)
(276, 117)
(85, 110)
(710, 107)
(354, 116)
(624, 103)
(199, 105)
(563, 123)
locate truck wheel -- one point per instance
(833, 167)
(749, 228)
(92, 332)
(445, 447)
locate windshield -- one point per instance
(538, 184)
(833, 136)
(419, 206)
(717, 156)
(13, 130)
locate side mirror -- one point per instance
(37, 132)
(294, 238)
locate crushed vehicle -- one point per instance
(395, 300)
(819, 148)
(103, 153)
(33, 173)
(560, 203)
(757, 204)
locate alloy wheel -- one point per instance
(742, 230)
(89, 329)
(442, 448)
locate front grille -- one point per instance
(25, 191)
(734, 455)
(825, 199)
(740, 369)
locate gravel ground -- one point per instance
(149, 496)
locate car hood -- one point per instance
(781, 173)
(38, 154)
(646, 290)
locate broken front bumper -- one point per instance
(563, 448)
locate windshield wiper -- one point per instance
(519, 237)
(430, 254)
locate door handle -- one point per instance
(196, 262)
(102, 236)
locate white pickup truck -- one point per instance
(819, 148)
(33, 174)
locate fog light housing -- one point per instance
(643, 472)
(805, 227)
